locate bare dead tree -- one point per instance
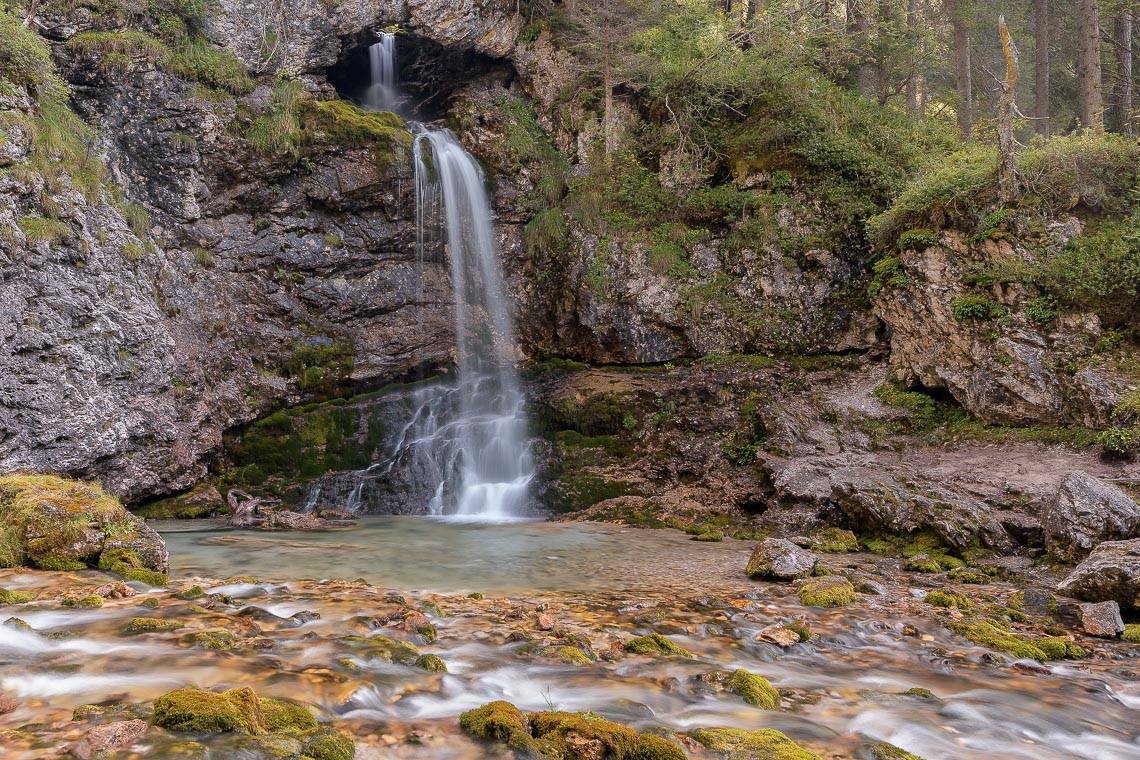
(1007, 169)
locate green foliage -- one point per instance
(976, 308)
(1043, 310)
(38, 230)
(25, 57)
(917, 240)
(200, 61)
(278, 130)
(1100, 271)
(887, 272)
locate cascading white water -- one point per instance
(471, 436)
(465, 441)
(381, 94)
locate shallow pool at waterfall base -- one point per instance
(448, 555)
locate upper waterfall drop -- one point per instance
(382, 92)
(466, 441)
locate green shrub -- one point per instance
(200, 61)
(25, 57)
(1042, 310)
(887, 272)
(917, 240)
(1100, 271)
(975, 308)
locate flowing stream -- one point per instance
(848, 685)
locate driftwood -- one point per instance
(248, 512)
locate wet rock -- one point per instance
(922, 563)
(1087, 512)
(753, 689)
(59, 524)
(1102, 619)
(305, 616)
(1110, 573)
(777, 559)
(1036, 601)
(108, 738)
(117, 590)
(828, 591)
(544, 621)
(7, 704)
(779, 635)
(735, 744)
(151, 625)
(883, 751)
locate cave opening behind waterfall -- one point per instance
(429, 74)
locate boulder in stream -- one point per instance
(780, 560)
(1110, 573)
(60, 524)
(1102, 619)
(1086, 512)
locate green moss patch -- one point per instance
(431, 663)
(496, 720)
(990, 635)
(151, 625)
(949, 599)
(754, 689)
(655, 643)
(8, 596)
(834, 540)
(735, 744)
(828, 591)
(208, 712)
(88, 602)
(127, 563)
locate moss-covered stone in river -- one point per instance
(884, 751)
(989, 634)
(495, 720)
(203, 500)
(216, 639)
(431, 663)
(207, 712)
(88, 602)
(151, 625)
(754, 689)
(735, 744)
(1059, 648)
(281, 715)
(949, 599)
(828, 591)
(653, 747)
(8, 596)
(655, 643)
(564, 731)
(329, 744)
(1131, 633)
(571, 655)
(128, 563)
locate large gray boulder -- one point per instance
(780, 560)
(1110, 573)
(1086, 512)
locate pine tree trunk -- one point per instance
(963, 66)
(1041, 106)
(1090, 94)
(1007, 170)
(1122, 45)
(857, 28)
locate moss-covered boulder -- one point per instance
(431, 663)
(59, 524)
(279, 728)
(151, 625)
(207, 712)
(834, 540)
(754, 689)
(654, 747)
(655, 643)
(8, 596)
(991, 635)
(495, 720)
(884, 751)
(735, 744)
(828, 591)
(583, 735)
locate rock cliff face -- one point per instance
(998, 349)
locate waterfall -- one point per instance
(381, 92)
(465, 442)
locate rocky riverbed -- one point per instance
(944, 664)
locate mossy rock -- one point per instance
(884, 751)
(966, 575)
(736, 744)
(563, 730)
(386, 649)
(151, 625)
(1131, 633)
(8, 596)
(128, 564)
(834, 540)
(282, 715)
(654, 747)
(1059, 648)
(710, 536)
(329, 744)
(495, 720)
(949, 599)
(987, 634)
(59, 524)
(89, 602)
(755, 690)
(570, 655)
(922, 563)
(216, 639)
(194, 592)
(919, 693)
(655, 643)
(431, 663)
(828, 591)
(208, 712)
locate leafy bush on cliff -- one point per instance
(25, 57)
